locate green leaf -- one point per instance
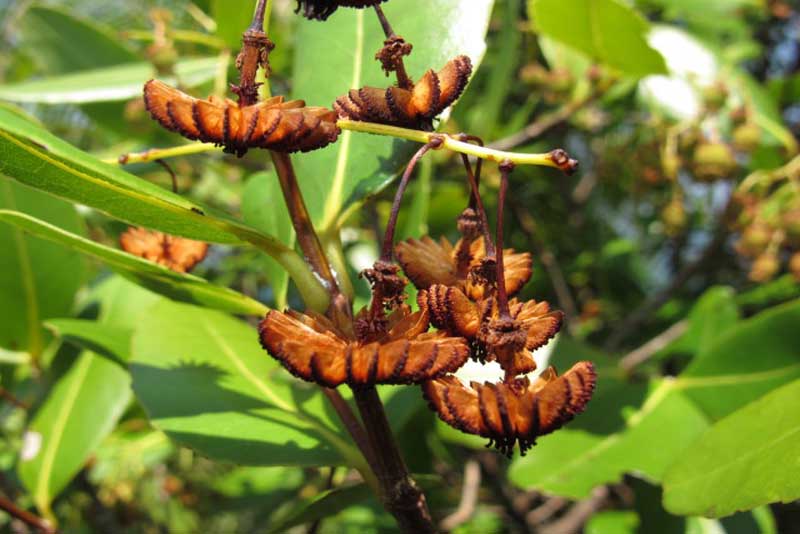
(613, 522)
(606, 30)
(711, 316)
(749, 360)
(263, 209)
(104, 340)
(747, 459)
(178, 286)
(64, 43)
(205, 380)
(79, 411)
(37, 158)
(572, 462)
(233, 18)
(38, 280)
(334, 57)
(106, 84)
(325, 504)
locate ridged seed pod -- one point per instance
(513, 412)
(272, 124)
(322, 9)
(176, 253)
(413, 108)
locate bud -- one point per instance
(746, 137)
(714, 96)
(754, 239)
(713, 160)
(674, 216)
(764, 267)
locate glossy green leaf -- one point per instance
(571, 462)
(334, 57)
(38, 279)
(232, 17)
(263, 208)
(79, 411)
(113, 342)
(65, 43)
(747, 459)
(607, 30)
(107, 84)
(613, 522)
(178, 286)
(711, 316)
(205, 380)
(325, 504)
(35, 157)
(749, 360)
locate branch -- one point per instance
(34, 521)
(574, 519)
(557, 158)
(643, 353)
(469, 497)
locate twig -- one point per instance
(550, 507)
(32, 520)
(557, 158)
(11, 398)
(640, 314)
(548, 259)
(399, 493)
(505, 494)
(352, 424)
(541, 125)
(162, 153)
(172, 176)
(469, 497)
(574, 519)
(643, 353)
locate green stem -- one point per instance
(545, 160)
(163, 153)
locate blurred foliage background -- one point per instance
(674, 251)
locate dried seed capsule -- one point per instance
(176, 253)
(513, 412)
(413, 108)
(311, 348)
(272, 124)
(322, 9)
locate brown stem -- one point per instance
(10, 397)
(476, 203)
(32, 520)
(398, 492)
(388, 236)
(255, 51)
(352, 424)
(502, 296)
(301, 221)
(399, 66)
(172, 176)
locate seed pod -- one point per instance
(515, 412)
(311, 348)
(764, 267)
(746, 137)
(322, 9)
(272, 124)
(713, 161)
(412, 108)
(176, 253)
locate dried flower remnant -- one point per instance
(272, 124)
(427, 262)
(516, 411)
(491, 336)
(313, 349)
(176, 253)
(322, 9)
(413, 107)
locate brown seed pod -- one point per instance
(176, 253)
(322, 9)
(480, 322)
(515, 412)
(413, 108)
(311, 348)
(272, 124)
(427, 262)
